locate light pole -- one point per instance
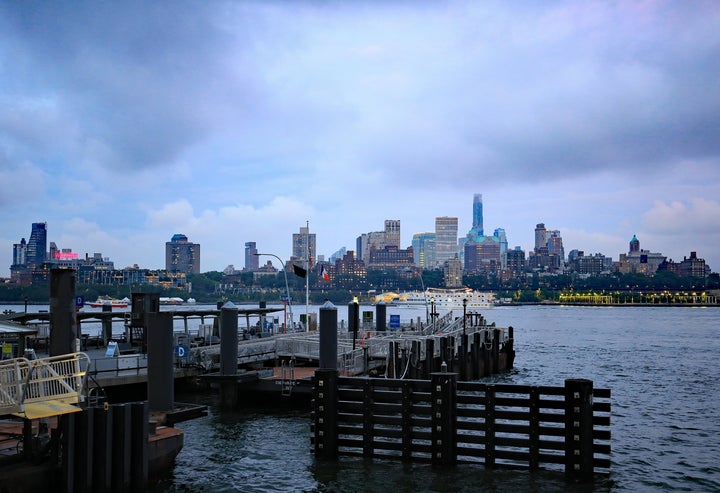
(432, 309)
(464, 313)
(287, 289)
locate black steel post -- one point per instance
(444, 418)
(161, 378)
(328, 336)
(63, 315)
(579, 429)
(325, 412)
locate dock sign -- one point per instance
(181, 351)
(395, 321)
(79, 301)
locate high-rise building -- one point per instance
(303, 244)
(392, 232)
(37, 246)
(452, 273)
(20, 253)
(252, 261)
(446, 239)
(634, 245)
(181, 255)
(502, 240)
(540, 237)
(477, 226)
(424, 250)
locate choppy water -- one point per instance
(660, 363)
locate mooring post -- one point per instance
(579, 429)
(161, 377)
(328, 336)
(228, 355)
(64, 331)
(444, 418)
(106, 324)
(381, 316)
(139, 429)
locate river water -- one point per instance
(661, 364)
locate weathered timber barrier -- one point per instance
(443, 421)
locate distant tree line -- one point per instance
(211, 287)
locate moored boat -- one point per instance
(107, 301)
(442, 299)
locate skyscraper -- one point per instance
(477, 225)
(252, 261)
(392, 232)
(446, 240)
(302, 244)
(424, 250)
(181, 255)
(37, 246)
(540, 237)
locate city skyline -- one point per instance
(231, 123)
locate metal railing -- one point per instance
(24, 381)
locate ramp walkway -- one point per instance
(42, 387)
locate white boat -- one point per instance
(174, 300)
(442, 299)
(107, 301)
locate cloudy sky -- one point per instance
(123, 123)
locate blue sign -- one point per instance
(181, 351)
(394, 321)
(79, 301)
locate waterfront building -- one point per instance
(638, 261)
(689, 267)
(446, 239)
(423, 245)
(181, 255)
(252, 261)
(588, 265)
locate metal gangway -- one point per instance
(44, 387)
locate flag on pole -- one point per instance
(299, 271)
(324, 273)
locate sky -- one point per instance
(124, 123)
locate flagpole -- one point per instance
(307, 277)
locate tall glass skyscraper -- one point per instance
(477, 225)
(37, 246)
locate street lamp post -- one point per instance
(464, 314)
(287, 288)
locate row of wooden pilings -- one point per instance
(477, 355)
(443, 398)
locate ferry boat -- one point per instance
(106, 300)
(442, 299)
